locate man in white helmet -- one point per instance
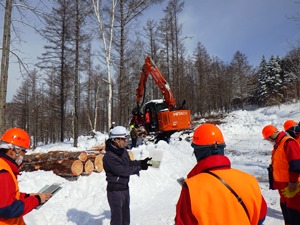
(118, 168)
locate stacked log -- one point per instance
(63, 163)
(98, 163)
(66, 163)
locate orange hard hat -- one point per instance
(288, 124)
(17, 137)
(208, 134)
(268, 131)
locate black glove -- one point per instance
(145, 164)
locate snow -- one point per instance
(155, 192)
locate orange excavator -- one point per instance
(161, 117)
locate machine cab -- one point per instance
(151, 109)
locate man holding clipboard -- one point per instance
(13, 203)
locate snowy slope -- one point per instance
(154, 194)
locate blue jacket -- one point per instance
(118, 167)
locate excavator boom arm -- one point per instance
(150, 68)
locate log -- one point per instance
(88, 167)
(64, 167)
(82, 156)
(54, 156)
(99, 147)
(77, 167)
(98, 163)
(64, 163)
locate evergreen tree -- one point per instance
(274, 81)
(261, 90)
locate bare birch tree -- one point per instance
(107, 44)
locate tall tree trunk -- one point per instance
(107, 49)
(5, 62)
(62, 76)
(76, 92)
(122, 64)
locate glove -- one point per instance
(290, 194)
(145, 164)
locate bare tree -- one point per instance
(58, 52)
(15, 12)
(106, 31)
(241, 71)
(5, 62)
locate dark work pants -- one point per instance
(119, 207)
(294, 217)
(133, 140)
(291, 216)
(284, 213)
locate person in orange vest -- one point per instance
(13, 203)
(215, 193)
(284, 172)
(293, 129)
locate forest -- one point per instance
(93, 57)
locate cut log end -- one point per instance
(82, 156)
(98, 163)
(77, 167)
(89, 167)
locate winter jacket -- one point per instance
(118, 167)
(13, 204)
(202, 201)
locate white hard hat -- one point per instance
(113, 122)
(118, 132)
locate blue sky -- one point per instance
(254, 27)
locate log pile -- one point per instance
(64, 163)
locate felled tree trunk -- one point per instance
(55, 156)
(63, 163)
(65, 167)
(66, 163)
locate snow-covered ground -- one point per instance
(154, 194)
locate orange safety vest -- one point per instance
(279, 162)
(11, 221)
(212, 203)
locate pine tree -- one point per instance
(261, 90)
(274, 81)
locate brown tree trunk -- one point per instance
(5, 62)
(65, 167)
(64, 163)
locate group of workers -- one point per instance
(213, 192)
